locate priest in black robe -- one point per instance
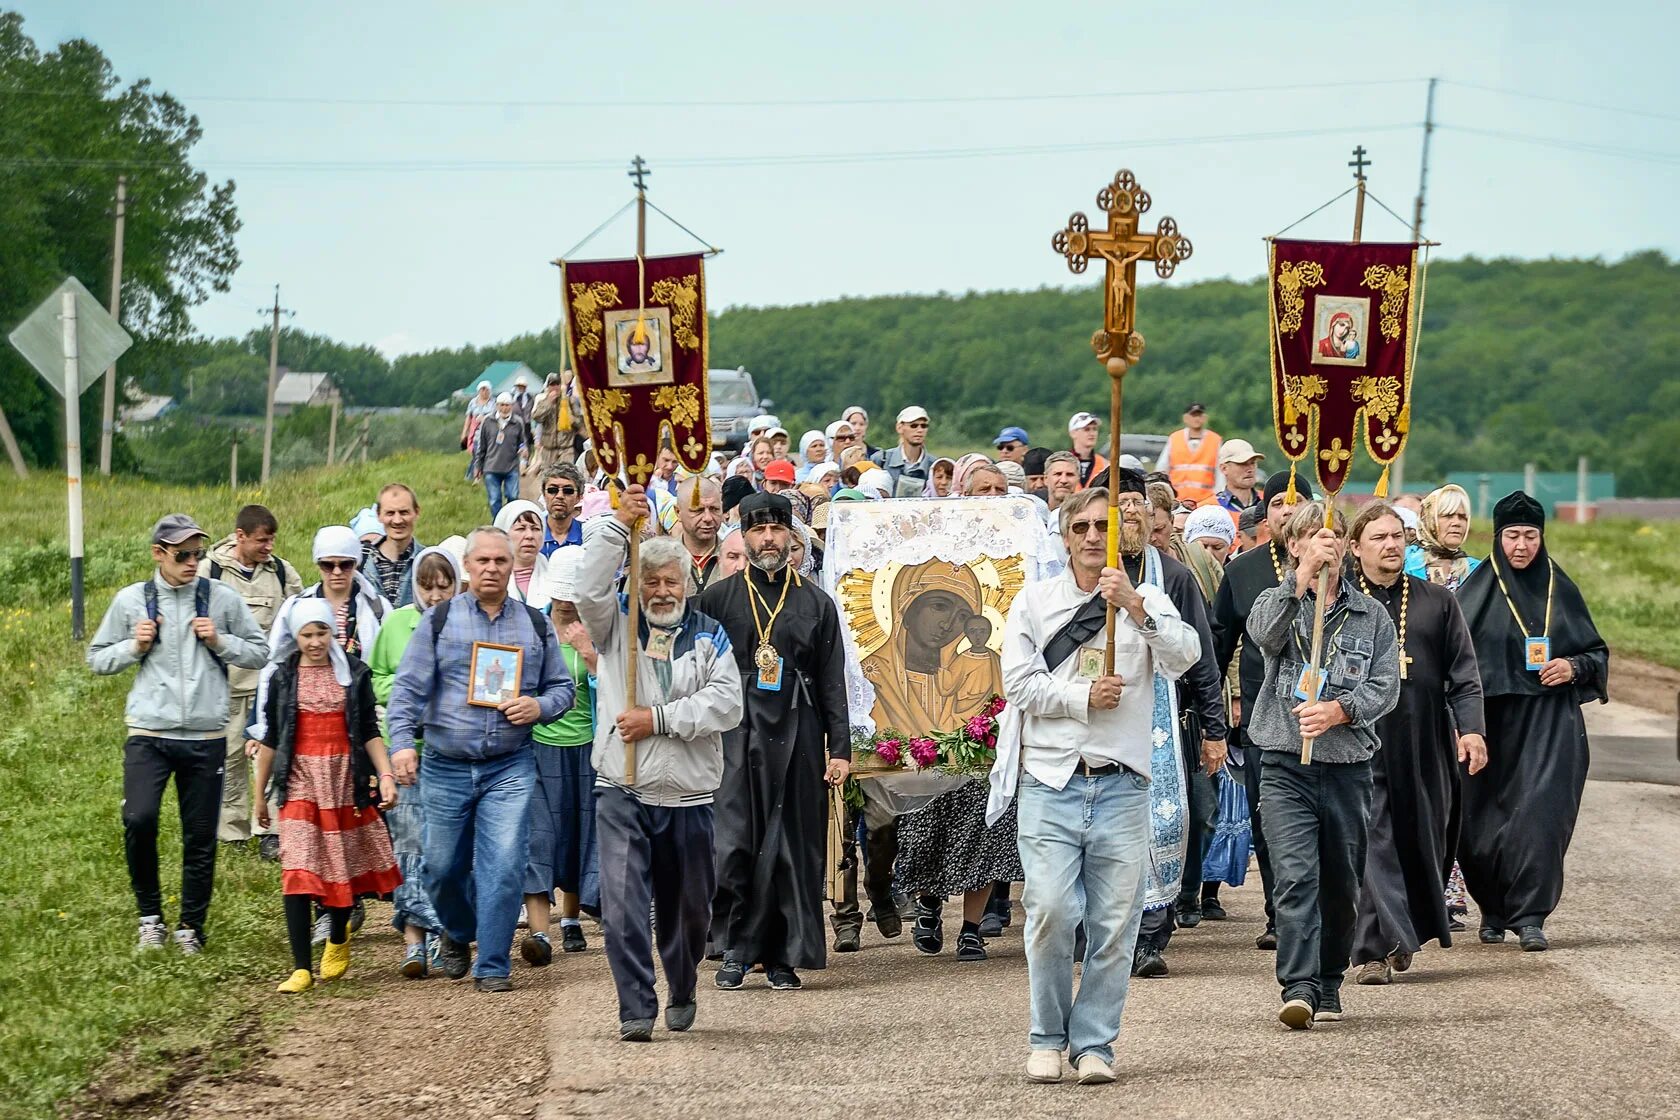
(772, 808)
(1436, 726)
(1541, 658)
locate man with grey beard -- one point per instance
(772, 812)
(656, 833)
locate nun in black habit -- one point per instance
(1541, 658)
(772, 808)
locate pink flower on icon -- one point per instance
(890, 751)
(924, 752)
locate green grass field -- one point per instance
(73, 992)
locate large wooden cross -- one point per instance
(1118, 345)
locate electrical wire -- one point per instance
(1595, 105)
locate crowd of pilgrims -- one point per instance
(1449, 761)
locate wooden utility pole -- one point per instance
(1398, 469)
(13, 452)
(1315, 667)
(233, 464)
(108, 425)
(332, 433)
(273, 376)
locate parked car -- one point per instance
(734, 403)
(1145, 447)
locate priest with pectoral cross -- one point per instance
(1436, 726)
(772, 808)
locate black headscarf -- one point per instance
(765, 509)
(1498, 637)
(735, 488)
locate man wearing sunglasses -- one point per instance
(909, 462)
(1011, 445)
(562, 493)
(183, 631)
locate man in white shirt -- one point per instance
(1081, 750)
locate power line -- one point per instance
(1596, 105)
(1583, 146)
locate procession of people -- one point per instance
(628, 706)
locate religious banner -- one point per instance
(638, 342)
(924, 588)
(1343, 340)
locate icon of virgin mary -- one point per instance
(922, 684)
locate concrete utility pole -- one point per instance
(1399, 468)
(273, 376)
(109, 424)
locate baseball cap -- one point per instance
(1082, 420)
(174, 528)
(1018, 435)
(1131, 463)
(522, 380)
(774, 432)
(1238, 451)
(779, 471)
(912, 413)
(1195, 406)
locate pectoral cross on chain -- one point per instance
(1405, 662)
(1122, 245)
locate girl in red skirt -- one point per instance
(324, 764)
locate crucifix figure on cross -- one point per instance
(1118, 345)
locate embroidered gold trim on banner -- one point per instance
(1291, 278)
(1299, 393)
(604, 405)
(680, 402)
(682, 296)
(588, 301)
(1380, 396)
(1393, 285)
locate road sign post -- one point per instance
(68, 333)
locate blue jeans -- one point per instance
(1090, 838)
(502, 487)
(478, 832)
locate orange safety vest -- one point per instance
(1194, 472)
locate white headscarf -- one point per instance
(830, 432)
(340, 542)
(562, 575)
(539, 566)
(510, 513)
(311, 610)
(875, 482)
(810, 560)
(1210, 521)
(805, 442)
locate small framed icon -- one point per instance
(494, 674)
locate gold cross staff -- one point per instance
(1118, 345)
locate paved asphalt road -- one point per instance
(1632, 744)
(1590, 1028)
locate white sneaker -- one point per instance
(1093, 1070)
(187, 941)
(1044, 1065)
(153, 934)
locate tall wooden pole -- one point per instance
(1315, 668)
(108, 425)
(13, 451)
(1398, 468)
(273, 368)
(638, 173)
(332, 433)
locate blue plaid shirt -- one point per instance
(429, 695)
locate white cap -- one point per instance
(1131, 463)
(521, 380)
(504, 398)
(1082, 420)
(912, 413)
(1238, 451)
(774, 432)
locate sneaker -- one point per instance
(636, 1030)
(1455, 923)
(268, 847)
(848, 940)
(153, 934)
(928, 932)
(1374, 972)
(1149, 963)
(536, 950)
(414, 961)
(323, 929)
(1329, 1009)
(1212, 911)
(1093, 1070)
(1044, 1066)
(1267, 941)
(493, 984)
(731, 975)
(358, 915)
(571, 939)
(1400, 960)
(970, 947)
(189, 941)
(990, 926)
(680, 1016)
(1297, 1015)
(452, 958)
(783, 979)
(1533, 939)
(335, 959)
(299, 981)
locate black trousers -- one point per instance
(879, 849)
(661, 857)
(1251, 783)
(196, 765)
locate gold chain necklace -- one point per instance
(1405, 597)
(765, 655)
(1277, 565)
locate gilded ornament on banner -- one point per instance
(1299, 393)
(682, 295)
(604, 405)
(1392, 283)
(1379, 395)
(680, 402)
(588, 301)
(639, 470)
(1335, 455)
(1291, 278)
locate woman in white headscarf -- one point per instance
(522, 521)
(324, 764)
(813, 449)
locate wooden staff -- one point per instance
(836, 843)
(632, 642)
(1117, 374)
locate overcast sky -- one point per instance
(406, 171)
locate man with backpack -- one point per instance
(245, 561)
(184, 631)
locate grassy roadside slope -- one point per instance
(73, 990)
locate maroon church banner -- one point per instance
(1342, 345)
(638, 343)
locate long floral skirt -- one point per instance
(329, 849)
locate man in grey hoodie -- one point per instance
(1317, 815)
(184, 631)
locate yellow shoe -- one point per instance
(299, 981)
(335, 959)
